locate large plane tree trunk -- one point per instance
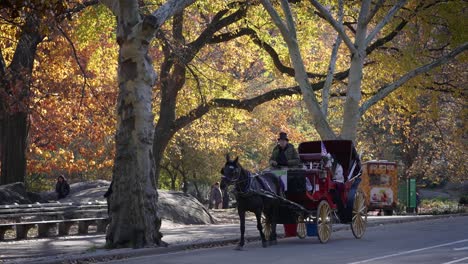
(133, 203)
(134, 219)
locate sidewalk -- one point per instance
(179, 237)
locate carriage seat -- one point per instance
(310, 157)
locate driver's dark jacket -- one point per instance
(289, 152)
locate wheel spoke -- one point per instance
(324, 228)
(359, 215)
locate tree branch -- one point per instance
(265, 46)
(289, 18)
(381, 41)
(338, 27)
(75, 55)
(216, 24)
(386, 90)
(384, 21)
(245, 104)
(275, 16)
(374, 11)
(80, 6)
(2, 65)
(331, 65)
(168, 9)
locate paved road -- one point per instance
(441, 241)
(55, 250)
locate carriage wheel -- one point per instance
(359, 220)
(266, 227)
(301, 228)
(324, 225)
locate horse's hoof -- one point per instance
(240, 248)
(264, 244)
(273, 243)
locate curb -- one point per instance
(125, 253)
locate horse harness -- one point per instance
(248, 190)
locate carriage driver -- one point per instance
(284, 153)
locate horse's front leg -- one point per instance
(241, 213)
(258, 215)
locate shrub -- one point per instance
(464, 200)
(439, 206)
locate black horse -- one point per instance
(254, 194)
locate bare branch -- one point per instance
(389, 37)
(275, 16)
(386, 90)
(349, 25)
(289, 18)
(80, 6)
(331, 66)
(245, 104)
(265, 46)
(337, 26)
(75, 55)
(374, 11)
(217, 23)
(168, 9)
(384, 21)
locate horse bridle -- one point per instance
(235, 180)
(236, 172)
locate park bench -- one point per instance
(44, 227)
(51, 211)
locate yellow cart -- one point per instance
(380, 185)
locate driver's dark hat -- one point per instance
(283, 135)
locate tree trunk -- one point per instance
(14, 103)
(14, 132)
(172, 81)
(162, 136)
(133, 211)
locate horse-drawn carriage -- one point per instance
(306, 199)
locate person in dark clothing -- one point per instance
(62, 188)
(284, 154)
(224, 190)
(216, 196)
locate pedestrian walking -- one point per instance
(216, 196)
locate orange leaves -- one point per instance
(65, 160)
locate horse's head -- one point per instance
(231, 171)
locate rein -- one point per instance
(247, 191)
